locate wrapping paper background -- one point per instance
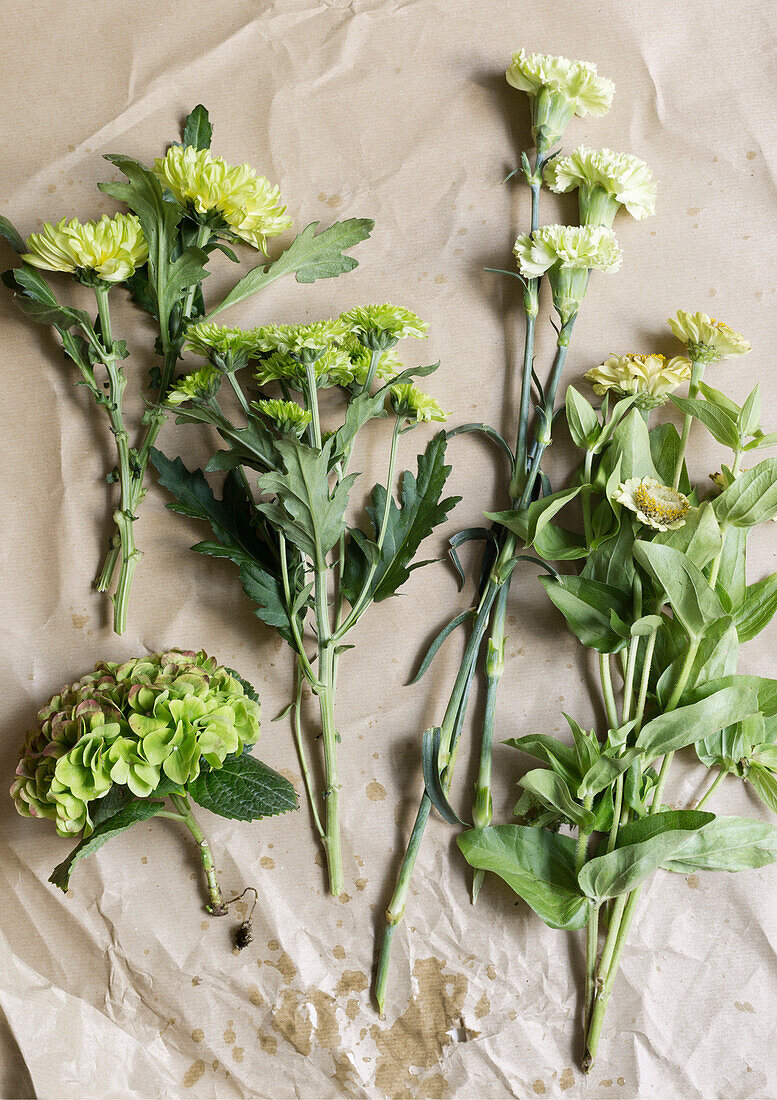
(397, 111)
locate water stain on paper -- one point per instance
(419, 1036)
(376, 792)
(351, 981)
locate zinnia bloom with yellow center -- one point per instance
(706, 338)
(224, 196)
(559, 90)
(109, 249)
(649, 378)
(654, 504)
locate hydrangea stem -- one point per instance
(215, 906)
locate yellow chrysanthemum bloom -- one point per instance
(605, 182)
(559, 90)
(567, 253)
(109, 249)
(706, 338)
(408, 401)
(223, 195)
(647, 377)
(287, 416)
(654, 504)
(199, 385)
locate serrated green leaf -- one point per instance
(538, 865)
(243, 789)
(197, 130)
(306, 509)
(420, 510)
(137, 810)
(309, 256)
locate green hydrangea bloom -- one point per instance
(226, 348)
(133, 725)
(286, 416)
(199, 385)
(408, 401)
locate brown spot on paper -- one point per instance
(483, 1007)
(79, 621)
(284, 966)
(376, 792)
(743, 1006)
(193, 1073)
(567, 1079)
(229, 1035)
(361, 883)
(539, 1087)
(351, 981)
(327, 1031)
(339, 951)
(198, 1035)
(693, 882)
(352, 1009)
(238, 1053)
(268, 1043)
(267, 862)
(255, 997)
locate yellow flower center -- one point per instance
(660, 503)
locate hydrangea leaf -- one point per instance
(243, 789)
(130, 814)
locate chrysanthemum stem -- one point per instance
(215, 906)
(722, 773)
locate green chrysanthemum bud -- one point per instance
(332, 367)
(287, 416)
(360, 355)
(199, 386)
(227, 349)
(408, 401)
(380, 327)
(130, 725)
(296, 339)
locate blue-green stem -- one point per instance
(722, 773)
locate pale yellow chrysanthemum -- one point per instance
(606, 180)
(654, 504)
(559, 90)
(109, 249)
(570, 246)
(649, 378)
(214, 192)
(407, 400)
(706, 338)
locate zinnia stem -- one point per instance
(697, 373)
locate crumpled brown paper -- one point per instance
(398, 111)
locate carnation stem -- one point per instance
(215, 906)
(697, 373)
